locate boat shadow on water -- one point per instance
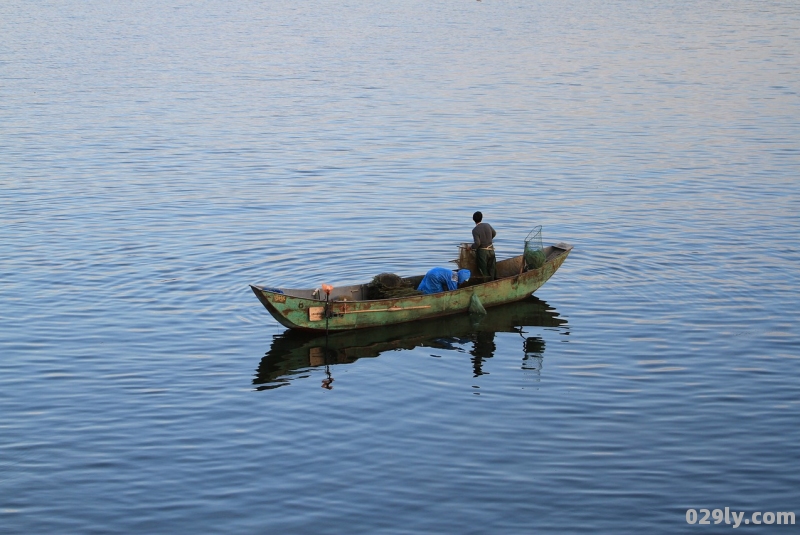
(294, 353)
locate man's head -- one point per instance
(477, 217)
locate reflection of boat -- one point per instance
(350, 308)
(294, 352)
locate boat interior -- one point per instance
(357, 292)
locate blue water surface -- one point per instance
(156, 158)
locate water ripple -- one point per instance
(156, 158)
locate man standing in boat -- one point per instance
(482, 235)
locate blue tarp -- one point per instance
(441, 279)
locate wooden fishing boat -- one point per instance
(347, 307)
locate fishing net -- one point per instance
(388, 286)
(534, 252)
(475, 306)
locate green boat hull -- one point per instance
(303, 309)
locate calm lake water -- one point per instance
(158, 157)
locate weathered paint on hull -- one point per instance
(302, 313)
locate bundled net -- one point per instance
(534, 252)
(389, 285)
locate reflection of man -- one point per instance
(482, 235)
(482, 348)
(441, 279)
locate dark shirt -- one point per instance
(482, 234)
